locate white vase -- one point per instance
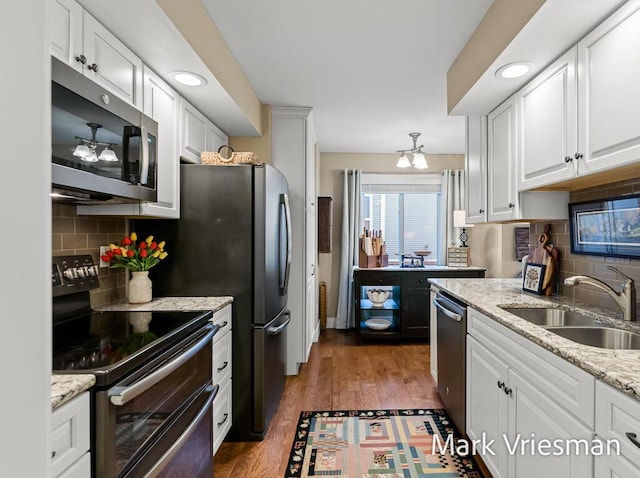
(139, 288)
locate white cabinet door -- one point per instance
(80, 469)
(487, 404)
(193, 132)
(547, 125)
(110, 63)
(503, 197)
(162, 103)
(611, 466)
(476, 169)
(289, 152)
(66, 32)
(609, 97)
(215, 137)
(70, 433)
(534, 416)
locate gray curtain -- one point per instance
(451, 199)
(351, 225)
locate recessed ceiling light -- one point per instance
(188, 78)
(514, 70)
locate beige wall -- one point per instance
(493, 247)
(331, 167)
(73, 234)
(261, 145)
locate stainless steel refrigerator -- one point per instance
(234, 238)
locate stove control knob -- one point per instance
(70, 274)
(93, 271)
(82, 272)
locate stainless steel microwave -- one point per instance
(102, 148)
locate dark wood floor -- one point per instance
(339, 376)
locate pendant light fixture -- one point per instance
(419, 158)
(86, 148)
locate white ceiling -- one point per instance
(372, 70)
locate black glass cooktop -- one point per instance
(102, 342)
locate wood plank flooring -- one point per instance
(339, 376)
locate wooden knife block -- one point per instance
(367, 262)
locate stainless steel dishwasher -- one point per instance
(451, 336)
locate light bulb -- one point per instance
(81, 151)
(91, 157)
(403, 162)
(419, 161)
(108, 154)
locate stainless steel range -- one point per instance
(151, 406)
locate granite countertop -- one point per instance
(427, 268)
(66, 387)
(619, 368)
(172, 303)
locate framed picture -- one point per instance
(607, 227)
(533, 277)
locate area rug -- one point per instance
(377, 444)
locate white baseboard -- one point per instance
(292, 368)
(316, 336)
(331, 322)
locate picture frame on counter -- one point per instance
(606, 227)
(533, 277)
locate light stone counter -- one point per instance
(66, 387)
(172, 303)
(427, 268)
(619, 368)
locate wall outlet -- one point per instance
(103, 249)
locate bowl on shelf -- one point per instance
(422, 253)
(378, 324)
(378, 296)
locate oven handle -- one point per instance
(447, 312)
(179, 443)
(122, 395)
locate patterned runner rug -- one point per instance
(377, 444)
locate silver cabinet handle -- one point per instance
(121, 395)
(93, 67)
(578, 155)
(633, 438)
(511, 205)
(447, 312)
(226, 416)
(224, 365)
(81, 59)
(568, 159)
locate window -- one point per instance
(406, 209)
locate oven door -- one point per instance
(146, 416)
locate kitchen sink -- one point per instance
(603, 337)
(552, 317)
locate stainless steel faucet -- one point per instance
(626, 298)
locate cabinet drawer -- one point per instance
(416, 280)
(70, 430)
(616, 415)
(222, 319)
(221, 415)
(80, 469)
(221, 369)
(376, 278)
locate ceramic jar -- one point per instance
(139, 288)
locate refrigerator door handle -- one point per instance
(284, 200)
(276, 330)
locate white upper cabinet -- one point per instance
(84, 44)
(502, 193)
(476, 167)
(66, 31)
(197, 133)
(609, 95)
(548, 130)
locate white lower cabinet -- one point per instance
(222, 376)
(617, 422)
(70, 439)
(520, 395)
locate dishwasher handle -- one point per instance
(448, 313)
